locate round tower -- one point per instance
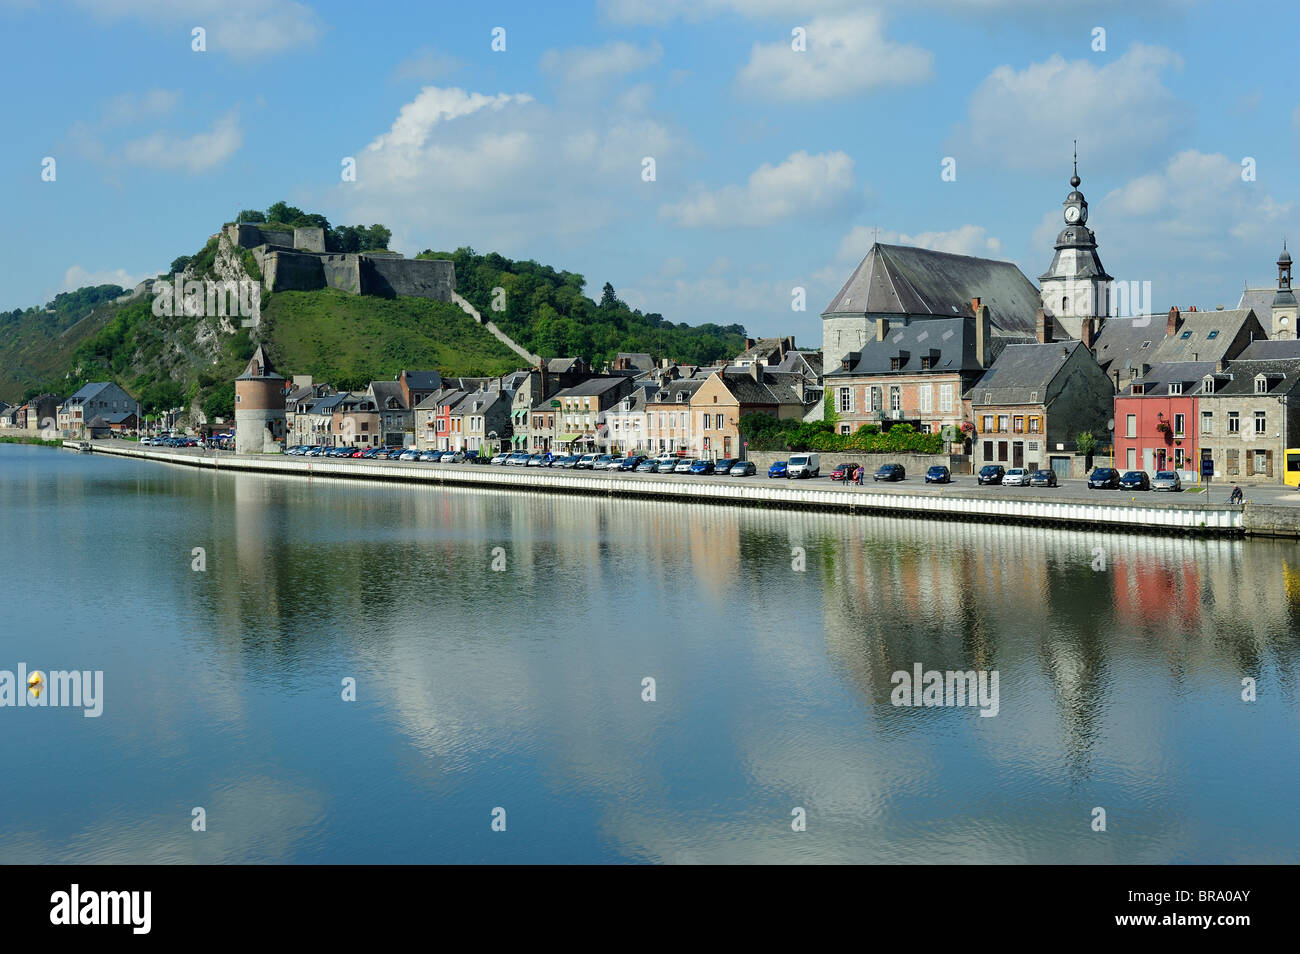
(259, 407)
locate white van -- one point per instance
(803, 465)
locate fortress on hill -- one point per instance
(296, 260)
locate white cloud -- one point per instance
(801, 187)
(424, 65)
(719, 292)
(501, 170)
(196, 153)
(79, 277)
(846, 54)
(1120, 111)
(584, 66)
(963, 240)
(661, 12)
(241, 29)
(129, 108)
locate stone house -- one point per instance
(568, 421)
(94, 400)
(1248, 419)
(355, 421)
(396, 418)
(486, 420)
(668, 416)
(1031, 405)
(729, 394)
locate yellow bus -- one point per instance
(1291, 476)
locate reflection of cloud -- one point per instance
(254, 820)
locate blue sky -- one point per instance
(774, 168)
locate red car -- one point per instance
(843, 471)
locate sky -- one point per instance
(715, 160)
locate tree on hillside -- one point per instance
(250, 215)
(609, 300)
(283, 212)
(180, 264)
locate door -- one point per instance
(1061, 465)
(1002, 452)
(1148, 461)
(1018, 454)
(1132, 462)
(726, 447)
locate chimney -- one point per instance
(749, 343)
(882, 328)
(1220, 365)
(983, 334)
(545, 379)
(756, 371)
(1088, 333)
(1175, 319)
(1044, 327)
(975, 306)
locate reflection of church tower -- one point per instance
(1284, 302)
(1076, 289)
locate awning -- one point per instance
(569, 438)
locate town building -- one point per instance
(418, 385)
(355, 420)
(1157, 426)
(1275, 306)
(1248, 418)
(1126, 347)
(485, 417)
(93, 400)
(396, 417)
(568, 420)
(668, 415)
(1029, 408)
(1075, 289)
(729, 394)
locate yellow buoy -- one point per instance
(34, 683)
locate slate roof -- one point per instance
(563, 365)
(88, 392)
(422, 380)
(669, 391)
(1239, 381)
(948, 342)
(1260, 300)
(384, 391)
(259, 361)
(1206, 334)
(1022, 373)
(1190, 374)
(638, 360)
(1271, 348)
(775, 388)
(809, 362)
(901, 280)
(1129, 342)
(118, 417)
(592, 386)
(441, 398)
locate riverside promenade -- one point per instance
(1101, 510)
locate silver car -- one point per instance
(1016, 477)
(1166, 480)
(684, 465)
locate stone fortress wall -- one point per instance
(297, 261)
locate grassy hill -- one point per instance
(37, 344)
(351, 340)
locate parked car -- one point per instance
(586, 461)
(1135, 480)
(1167, 480)
(1043, 478)
(630, 463)
(568, 463)
(518, 459)
(684, 465)
(891, 472)
(804, 465)
(359, 453)
(1103, 478)
(938, 474)
(991, 474)
(453, 457)
(500, 459)
(778, 469)
(842, 472)
(430, 456)
(1016, 477)
(603, 461)
(536, 460)
(647, 467)
(667, 465)
(702, 467)
(723, 465)
(742, 468)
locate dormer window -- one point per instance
(926, 362)
(1261, 384)
(1175, 387)
(895, 363)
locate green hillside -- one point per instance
(37, 344)
(351, 340)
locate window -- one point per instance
(846, 399)
(1180, 421)
(876, 404)
(1145, 344)
(988, 423)
(844, 428)
(1018, 424)
(1234, 422)
(1034, 424)
(1178, 458)
(1033, 397)
(1261, 461)
(1002, 423)
(1131, 425)
(1175, 387)
(925, 398)
(705, 422)
(925, 362)
(1261, 422)
(1185, 335)
(1207, 384)
(1207, 422)
(894, 364)
(945, 399)
(1261, 384)
(895, 399)
(1212, 335)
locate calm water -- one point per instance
(522, 689)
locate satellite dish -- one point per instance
(1110, 425)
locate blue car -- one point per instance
(702, 467)
(778, 469)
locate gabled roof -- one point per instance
(949, 343)
(441, 398)
(1271, 348)
(670, 391)
(1282, 376)
(902, 280)
(388, 391)
(1259, 300)
(563, 365)
(637, 359)
(422, 380)
(591, 386)
(1124, 343)
(1204, 335)
(773, 388)
(1022, 373)
(809, 362)
(89, 391)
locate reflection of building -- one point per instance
(259, 407)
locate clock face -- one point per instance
(1072, 214)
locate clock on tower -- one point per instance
(1076, 289)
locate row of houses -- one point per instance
(98, 409)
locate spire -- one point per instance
(1074, 179)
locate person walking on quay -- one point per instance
(1235, 498)
(857, 476)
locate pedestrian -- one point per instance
(858, 475)
(1236, 495)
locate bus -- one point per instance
(1291, 476)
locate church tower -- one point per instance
(1076, 289)
(1284, 302)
